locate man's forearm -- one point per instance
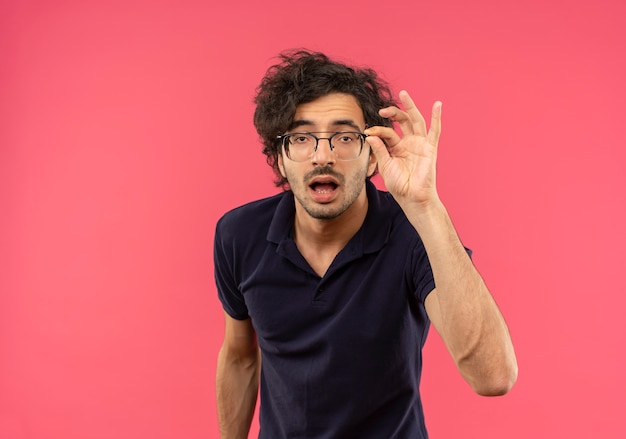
(468, 318)
(237, 387)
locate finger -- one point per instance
(387, 134)
(435, 124)
(379, 148)
(397, 115)
(419, 124)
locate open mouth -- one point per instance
(323, 187)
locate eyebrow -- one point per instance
(339, 122)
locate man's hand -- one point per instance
(407, 164)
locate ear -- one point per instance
(371, 167)
(281, 165)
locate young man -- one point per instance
(329, 287)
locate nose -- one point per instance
(323, 154)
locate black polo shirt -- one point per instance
(341, 355)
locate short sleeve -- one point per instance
(422, 272)
(423, 278)
(227, 287)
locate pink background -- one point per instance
(126, 131)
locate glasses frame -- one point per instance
(283, 138)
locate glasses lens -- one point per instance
(347, 146)
(300, 146)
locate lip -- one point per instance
(328, 193)
(324, 179)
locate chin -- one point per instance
(324, 212)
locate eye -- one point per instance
(300, 139)
(346, 138)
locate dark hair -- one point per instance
(302, 76)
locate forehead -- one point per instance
(328, 109)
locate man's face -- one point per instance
(324, 186)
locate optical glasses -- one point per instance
(300, 147)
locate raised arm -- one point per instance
(464, 312)
(237, 384)
(461, 307)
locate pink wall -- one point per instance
(125, 132)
